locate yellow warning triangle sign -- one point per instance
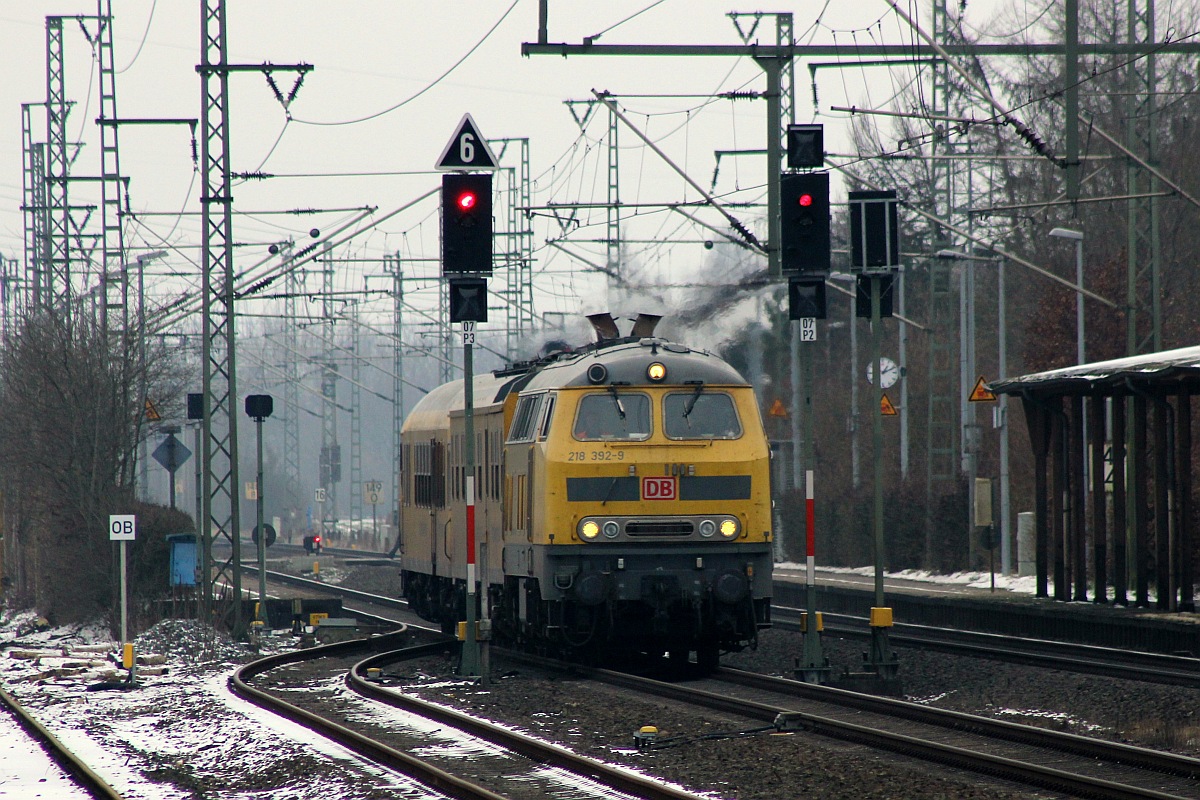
(152, 414)
(886, 408)
(981, 394)
(777, 409)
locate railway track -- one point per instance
(1077, 765)
(1173, 670)
(88, 780)
(515, 766)
(1037, 757)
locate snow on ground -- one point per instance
(976, 580)
(27, 772)
(163, 741)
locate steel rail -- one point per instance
(58, 752)
(618, 778)
(362, 745)
(612, 777)
(985, 763)
(1116, 752)
(1134, 665)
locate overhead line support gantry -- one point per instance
(220, 452)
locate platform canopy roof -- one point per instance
(1169, 370)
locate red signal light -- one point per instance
(317, 539)
(467, 200)
(805, 200)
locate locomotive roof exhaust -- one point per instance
(607, 330)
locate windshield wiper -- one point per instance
(692, 401)
(617, 399)
(608, 493)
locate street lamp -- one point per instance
(1077, 237)
(1000, 421)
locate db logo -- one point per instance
(658, 488)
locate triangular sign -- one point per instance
(777, 409)
(152, 414)
(981, 394)
(467, 149)
(886, 408)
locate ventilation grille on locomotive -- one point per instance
(677, 527)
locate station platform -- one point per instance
(1003, 611)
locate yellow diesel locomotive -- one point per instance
(622, 501)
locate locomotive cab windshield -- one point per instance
(611, 417)
(693, 415)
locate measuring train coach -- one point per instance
(622, 502)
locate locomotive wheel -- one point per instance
(708, 657)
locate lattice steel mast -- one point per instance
(220, 507)
(56, 290)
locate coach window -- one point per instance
(525, 418)
(612, 416)
(700, 414)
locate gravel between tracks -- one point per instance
(601, 722)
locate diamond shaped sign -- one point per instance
(172, 453)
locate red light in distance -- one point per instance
(805, 200)
(466, 201)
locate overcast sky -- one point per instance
(386, 95)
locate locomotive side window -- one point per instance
(547, 416)
(525, 418)
(700, 415)
(612, 417)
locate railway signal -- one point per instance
(874, 231)
(258, 408)
(806, 297)
(805, 146)
(468, 299)
(467, 223)
(804, 222)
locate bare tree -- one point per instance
(71, 416)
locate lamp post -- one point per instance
(259, 407)
(1077, 237)
(854, 462)
(1001, 420)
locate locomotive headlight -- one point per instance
(707, 527)
(589, 530)
(611, 529)
(656, 371)
(729, 528)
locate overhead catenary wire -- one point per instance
(427, 87)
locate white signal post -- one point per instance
(473, 662)
(123, 528)
(814, 667)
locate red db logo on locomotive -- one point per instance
(659, 488)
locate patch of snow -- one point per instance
(163, 741)
(28, 772)
(1063, 719)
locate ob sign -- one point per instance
(122, 527)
